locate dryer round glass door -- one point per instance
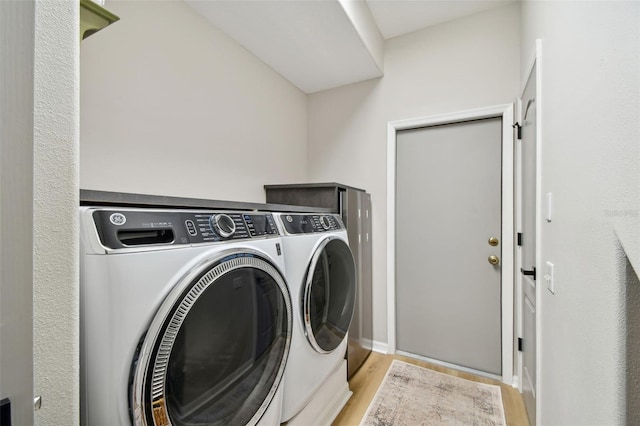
(216, 351)
(329, 295)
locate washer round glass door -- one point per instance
(215, 352)
(329, 295)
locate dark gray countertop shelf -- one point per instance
(312, 185)
(90, 197)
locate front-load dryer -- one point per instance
(321, 274)
(185, 317)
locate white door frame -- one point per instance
(506, 112)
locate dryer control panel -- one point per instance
(128, 228)
(311, 223)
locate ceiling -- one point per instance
(323, 44)
(398, 17)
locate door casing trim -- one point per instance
(506, 112)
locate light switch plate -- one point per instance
(548, 277)
(549, 209)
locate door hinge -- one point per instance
(531, 273)
(519, 344)
(518, 130)
(37, 403)
(520, 238)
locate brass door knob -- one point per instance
(493, 241)
(494, 260)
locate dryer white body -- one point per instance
(322, 281)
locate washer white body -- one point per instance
(123, 294)
(309, 367)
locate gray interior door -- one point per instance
(17, 22)
(528, 252)
(448, 207)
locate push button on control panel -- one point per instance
(191, 228)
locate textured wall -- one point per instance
(590, 104)
(172, 106)
(55, 228)
(464, 64)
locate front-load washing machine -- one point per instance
(185, 317)
(321, 274)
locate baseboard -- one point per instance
(380, 347)
(452, 366)
(516, 382)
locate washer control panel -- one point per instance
(211, 227)
(311, 223)
(138, 228)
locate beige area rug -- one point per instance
(411, 395)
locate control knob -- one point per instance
(324, 221)
(222, 225)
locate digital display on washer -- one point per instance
(260, 224)
(298, 224)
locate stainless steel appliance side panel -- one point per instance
(366, 262)
(359, 343)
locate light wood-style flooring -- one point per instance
(365, 382)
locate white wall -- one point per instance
(464, 64)
(590, 110)
(55, 212)
(172, 106)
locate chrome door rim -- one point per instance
(308, 282)
(226, 261)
